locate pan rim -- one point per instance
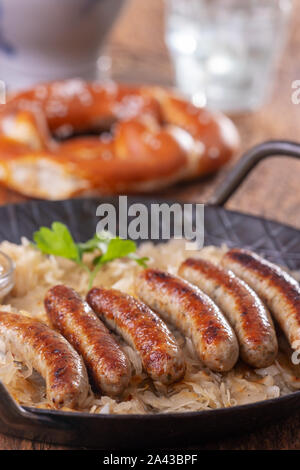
(158, 416)
(155, 416)
(144, 198)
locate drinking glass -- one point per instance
(225, 52)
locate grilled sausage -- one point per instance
(194, 313)
(107, 365)
(245, 311)
(50, 354)
(279, 290)
(143, 330)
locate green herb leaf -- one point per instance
(117, 248)
(140, 261)
(57, 241)
(98, 242)
(90, 245)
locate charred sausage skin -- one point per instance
(192, 312)
(143, 330)
(50, 354)
(278, 289)
(245, 311)
(107, 365)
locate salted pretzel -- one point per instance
(148, 138)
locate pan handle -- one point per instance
(249, 160)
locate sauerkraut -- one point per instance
(201, 389)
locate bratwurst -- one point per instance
(50, 354)
(107, 365)
(245, 311)
(278, 289)
(143, 330)
(192, 312)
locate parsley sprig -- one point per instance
(58, 241)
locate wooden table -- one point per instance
(272, 190)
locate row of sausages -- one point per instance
(225, 310)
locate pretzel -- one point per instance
(148, 138)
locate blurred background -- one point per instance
(136, 51)
(223, 54)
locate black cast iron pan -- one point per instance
(278, 242)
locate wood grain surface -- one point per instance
(138, 54)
